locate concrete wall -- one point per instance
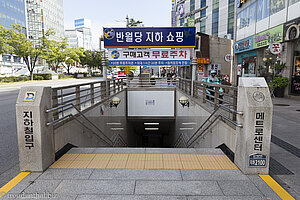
(110, 120)
(219, 47)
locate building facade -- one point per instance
(212, 17)
(75, 38)
(43, 15)
(260, 24)
(84, 26)
(11, 12)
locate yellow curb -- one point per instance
(13, 183)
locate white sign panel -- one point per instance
(150, 57)
(275, 48)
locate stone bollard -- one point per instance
(35, 138)
(252, 154)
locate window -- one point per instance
(294, 1)
(276, 6)
(192, 5)
(246, 17)
(263, 9)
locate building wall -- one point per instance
(12, 12)
(84, 26)
(212, 18)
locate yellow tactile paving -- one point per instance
(140, 157)
(172, 164)
(144, 161)
(225, 162)
(154, 164)
(191, 165)
(122, 157)
(98, 164)
(69, 157)
(135, 164)
(116, 164)
(208, 162)
(188, 157)
(154, 157)
(85, 157)
(61, 164)
(171, 157)
(79, 164)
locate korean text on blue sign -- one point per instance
(151, 57)
(149, 37)
(243, 45)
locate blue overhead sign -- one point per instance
(149, 37)
(243, 45)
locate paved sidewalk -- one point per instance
(285, 146)
(143, 184)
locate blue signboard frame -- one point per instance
(170, 37)
(257, 160)
(243, 45)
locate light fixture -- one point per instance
(183, 129)
(189, 123)
(115, 102)
(113, 123)
(151, 129)
(149, 124)
(184, 101)
(116, 129)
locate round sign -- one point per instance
(228, 58)
(258, 96)
(275, 48)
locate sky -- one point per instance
(153, 13)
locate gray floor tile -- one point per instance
(41, 186)
(263, 187)
(119, 151)
(81, 150)
(209, 151)
(212, 175)
(136, 174)
(226, 198)
(170, 151)
(178, 188)
(25, 183)
(95, 187)
(129, 197)
(237, 188)
(63, 174)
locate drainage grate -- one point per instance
(298, 110)
(278, 169)
(280, 104)
(288, 147)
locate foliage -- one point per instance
(4, 41)
(92, 58)
(133, 23)
(73, 55)
(63, 76)
(56, 53)
(45, 76)
(280, 82)
(23, 47)
(13, 79)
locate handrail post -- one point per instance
(216, 96)
(103, 89)
(204, 93)
(114, 86)
(77, 91)
(55, 102)
(92, 93)
(108, 89)
(235, 93)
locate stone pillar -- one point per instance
(35, 138)
(252, 154)
(194, 69)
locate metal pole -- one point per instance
(194, 68)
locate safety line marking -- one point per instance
(276, 187)
(13, 183)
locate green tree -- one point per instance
(93, 59)
(133, 23)
(73, 55)
(56, 53)
(4, 41)
(27, 49)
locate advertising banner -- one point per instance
(291, 30)
(243, 45)
(160, 57)
(268, 37)
(149, 37)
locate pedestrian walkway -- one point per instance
(89, 175)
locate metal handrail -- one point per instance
(60, 119)
(196, 134)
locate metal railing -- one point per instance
(83, 96)
(204, 127)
